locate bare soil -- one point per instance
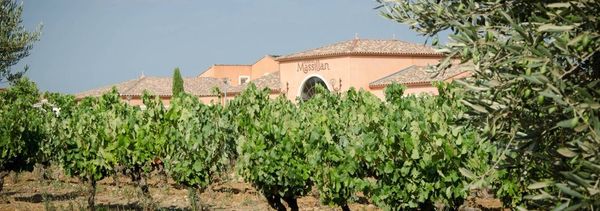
(27, 191)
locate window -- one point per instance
(309, 87)
(244, 79)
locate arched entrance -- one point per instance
(309, 87)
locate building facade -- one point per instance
(360, 63)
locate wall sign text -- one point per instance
(312, 66)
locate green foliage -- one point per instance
(88, 146)
(142, 135)
(61, 104)
(58, 108)
(408, 152)
(21, 126)
(270, 147)
(422, 149)
(244, 111)
(195, 150)
(177, 83)
(99, 133)
(337, 128)
(89, 137)
(534, 90)
(15, 41)
(394, 93)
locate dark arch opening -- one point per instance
(309, 87)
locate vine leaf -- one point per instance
(566, 152)
(565, 189)
(539, 185)
(467, 173)
(569, 123)
(555, 28)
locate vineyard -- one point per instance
(407, 152)
(403, 153)
(523, 129)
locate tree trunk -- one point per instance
(163, 175)
(194, 196)
(158, 165)
(292, 203)
(118, 169)
(144, 185)
(145, 191)
(92, 194)
(345, 207)
(140, 181)
(42, 172)
(275, 202)
(2, 175)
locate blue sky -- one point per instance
(92, 43)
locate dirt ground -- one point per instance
(25, 191)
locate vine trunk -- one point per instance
(2, 175)
(92, 195)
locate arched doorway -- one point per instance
(309, 87)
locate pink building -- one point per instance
(361, 63)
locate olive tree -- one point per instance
(15, 41)
(534, 90)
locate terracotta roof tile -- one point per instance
(99, 91)
(270, 81)
(419, 74)
(161, 86)
(364, 46)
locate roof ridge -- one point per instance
(397, 40)
(135, 84)
(354, 45)
(158, 85)
(394, 73)
(458, 73)
(271, 80)
(364, 46)
(417, 74)
(312, 49)
(265, 56)
(261, 77)
(108, 86)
